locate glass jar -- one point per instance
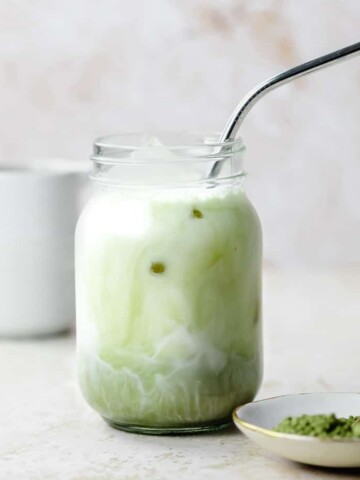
(168, 279)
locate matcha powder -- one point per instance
(325, 426)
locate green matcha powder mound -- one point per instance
(325, 426)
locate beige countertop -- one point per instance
(311, 337)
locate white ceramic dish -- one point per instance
(257, 419)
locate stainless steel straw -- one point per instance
(246, 104)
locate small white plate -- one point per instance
(257, 419)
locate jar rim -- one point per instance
(120, 148)
(199, 137)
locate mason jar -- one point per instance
(168, 284)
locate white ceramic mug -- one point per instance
(39, 207)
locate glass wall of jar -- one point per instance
(168, 279)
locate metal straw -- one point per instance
(258, 92)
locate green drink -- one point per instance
(169, 306)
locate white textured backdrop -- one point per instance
(77, 69)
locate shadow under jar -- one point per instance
(168, 280)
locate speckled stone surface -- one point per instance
(47, 432)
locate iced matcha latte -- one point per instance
(168, 303)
